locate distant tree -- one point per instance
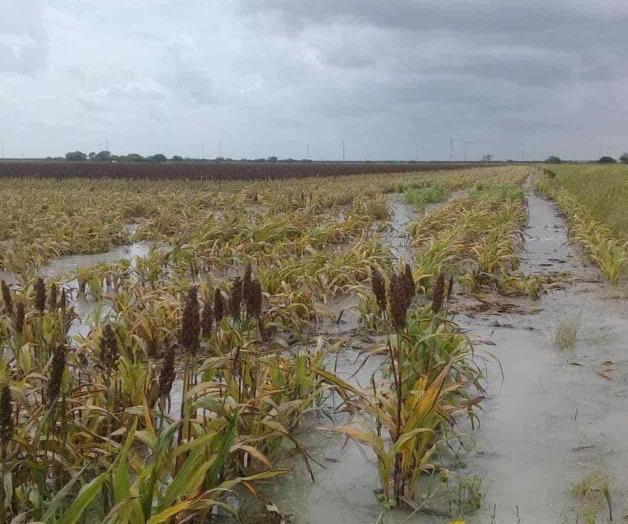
(75, 156)
(487, 158)
(134, 157)
(177, 158)
(271, 159)
(624, 158)
(607, 160)
(553, 159)
(157, 158)
(103, 156)
(91, 155)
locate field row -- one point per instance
(214, 170)
(594, 200)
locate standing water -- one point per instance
(551, 418)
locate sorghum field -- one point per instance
(435, 346)
(225, 170)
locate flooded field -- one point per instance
(484, 380)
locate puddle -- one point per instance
(72, 263)
(59, 266)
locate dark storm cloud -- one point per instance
(478, 69)
(530, 42)
(269, 77)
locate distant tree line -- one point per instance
(107, 156)
(603, 160)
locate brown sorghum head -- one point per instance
(253, 299)
(20, 316)
(219, 306)
(6, 296)
(450, 288)
(40, 295)
(108, 348)
(52, 298)
(190, 324)
(63, 300)
(6, 416)
(409, 282)
(167, 373)
(206, 319)
(235, 299)
(56, 374)
(247, 286)
(378, 285)
(438, 293)
(398, 301)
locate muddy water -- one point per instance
(550, 419)
(554, 420)
(397, 237)
(61, 267)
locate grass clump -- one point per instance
(566, 332)
(423, 196)
(594, 494)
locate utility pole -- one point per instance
(451, 148)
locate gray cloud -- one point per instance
(23, 39)
(268, 77)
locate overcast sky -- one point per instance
(267, 77)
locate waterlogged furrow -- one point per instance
(477, 238)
